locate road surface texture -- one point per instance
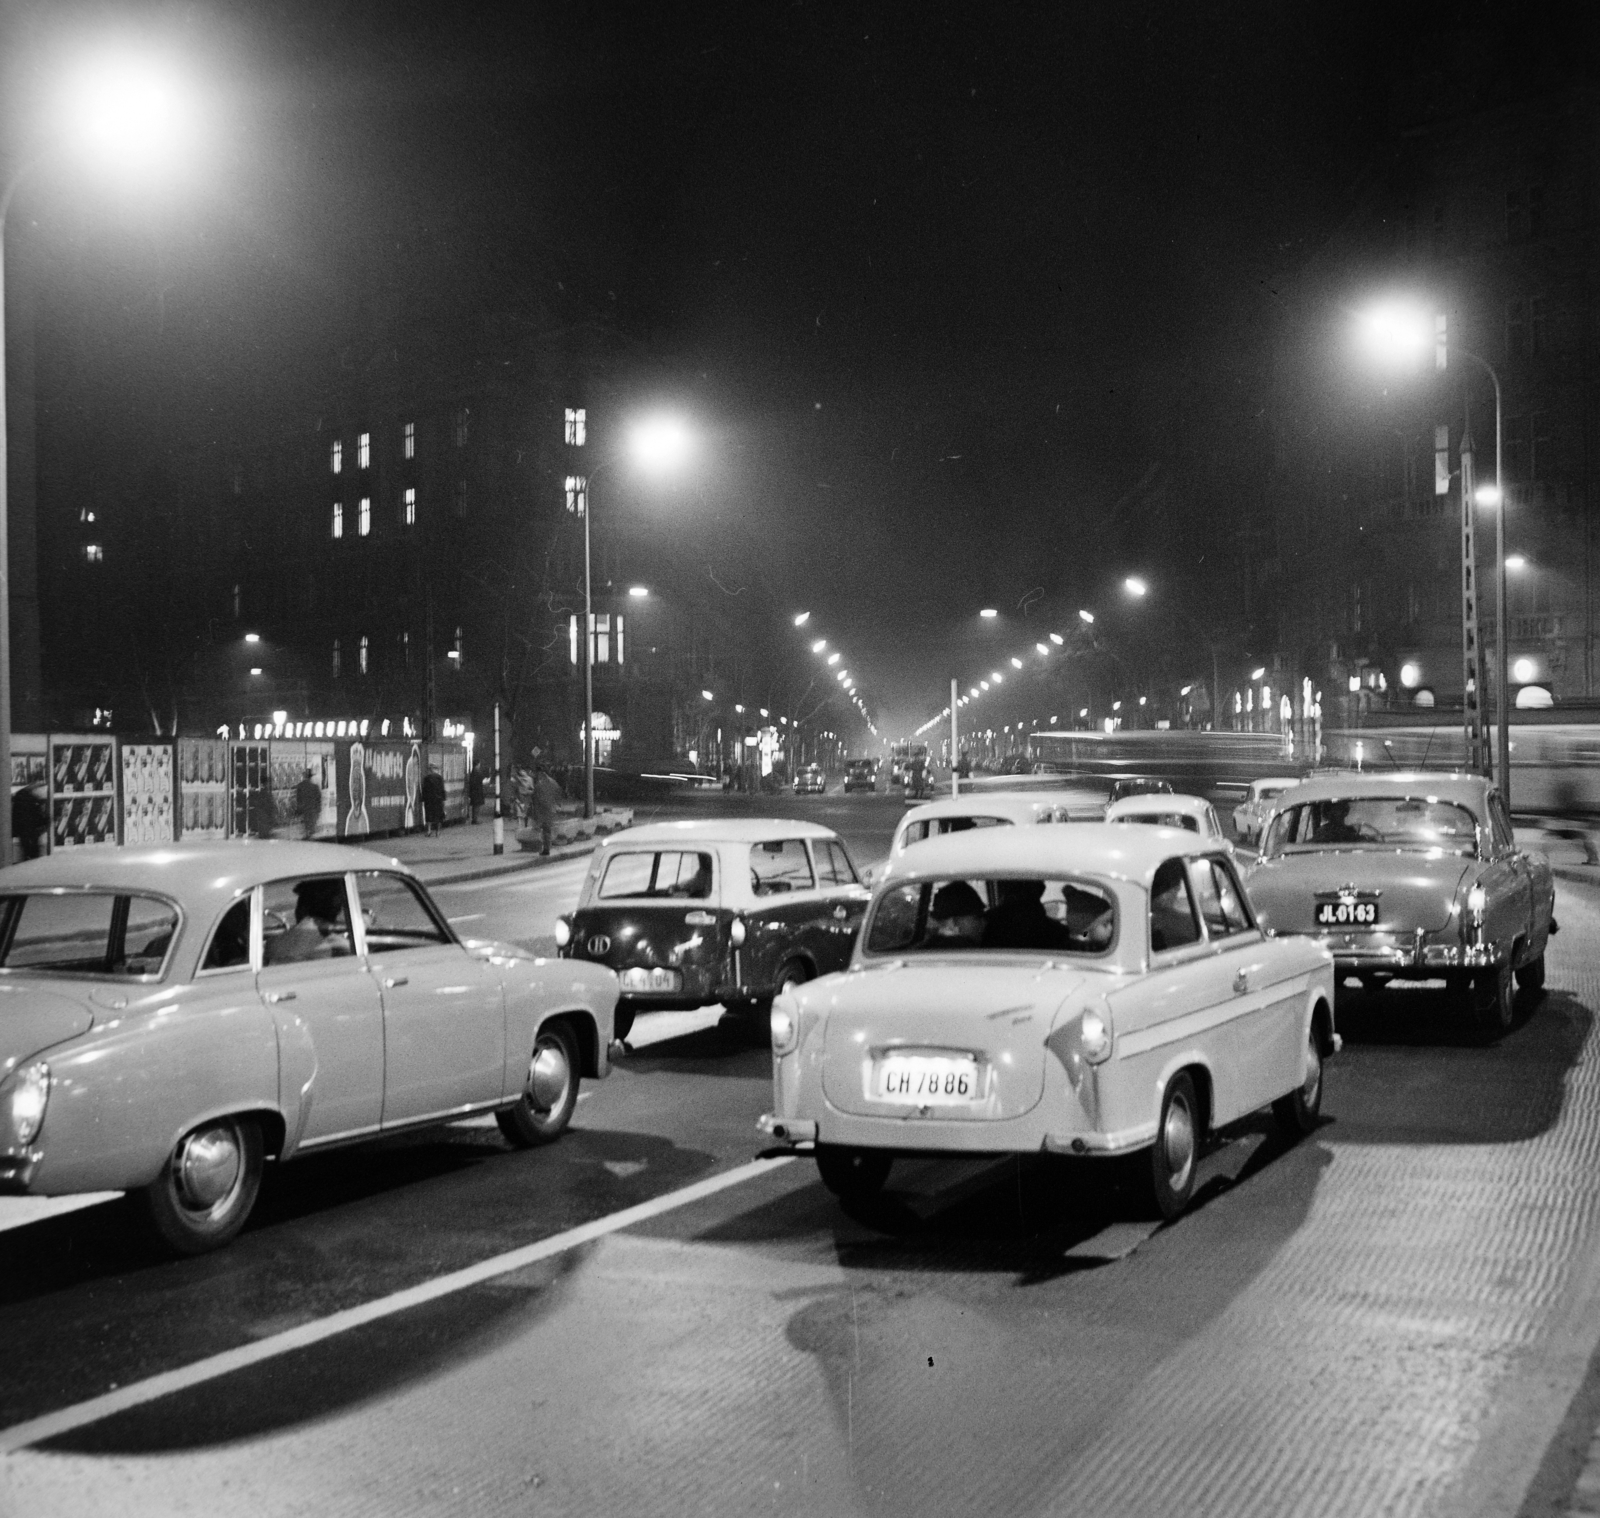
(1395, 1316)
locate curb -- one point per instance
(1589, 875)
(508, 864)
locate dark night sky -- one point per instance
(933, 276)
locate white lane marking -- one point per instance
(656, 1027)
(138, 1393)
(510, 880)
(20, 1211)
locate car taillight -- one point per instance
(28, 1097)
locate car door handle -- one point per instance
(1241, 982)
(841, 911)
(396, 980)
(277, 996)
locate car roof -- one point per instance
(200, 876)
(999, 803)
(1088, 848)
(1447, 785)
(1153, 801)
(1265, 780)
(719, 830)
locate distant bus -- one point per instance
(1189, 755)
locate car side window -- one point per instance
(778, 866)
(915, 832)
(394, 914)
(1221, 903)
(229, 948)
(1173, 921)
(833, 864)
(307, 918)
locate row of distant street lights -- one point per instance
(833, 662)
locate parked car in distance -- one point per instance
(810, 779)
(861, 775)
(1095, 990)
(1137, 785)
(689, 914)
(176, 1016)
(987, 809)
(1410, 876)
(1193, 813)
(1251, 813)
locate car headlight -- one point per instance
(1094, 1036)
(1477, 900)
(563, 932)
(29, 1094)
(736, 932)
(785, 1028)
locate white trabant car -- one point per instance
(1192, 813)
(988, 809)
(1097, 990)
(1251, 814)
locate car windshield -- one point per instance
(955, 916)
(1406, 822)
(662, 872)
(86, 933)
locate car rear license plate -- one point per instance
(1347, 911)
(640, 979)
(926, 1079)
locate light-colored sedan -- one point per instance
(988, 809)
(172, 1017)
(1094, 990)
(1193, 813)
(1251, 814)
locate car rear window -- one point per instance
(86, 933)
(662, 872)
(946, 916)
(934, 827)
(778, 866)
(1161, 819)
(1418, 822)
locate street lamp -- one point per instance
(1138, 589)
(121, 109)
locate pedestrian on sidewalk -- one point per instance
(475, 791)
(433, 801)
(546, 793)
(308, 804)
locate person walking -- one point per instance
(29, 820)
(546, 794)
(308, 804)
(474, 791)
(433, 801)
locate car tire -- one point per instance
(795, 972)
(1491, 996)
(622, 1022)
(207, 1187)
(1297, 1112)
(853, 1175)
(1171, 1162)
(549, 1092)
(1531, 976)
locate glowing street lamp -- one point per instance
(801, 618)
(819, 645)
(1084, 616)
(1135, 587)
(988, 611)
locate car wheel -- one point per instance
(207, 1187)
(549, 1092)
(1531, 976)
(1491, 994)
(794, 973)
(622, 1023)
(853, 1175)
(1297, 1112)
(1175, 1156)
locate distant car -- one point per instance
(1193, 813)
(689, 914)
(1251, 813)
(175, 1016)
(861, 775)
(1137, 785)
(1410, 876)
(986, 809)
(1091, 990)
(812, 780)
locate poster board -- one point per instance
(149, 793)
(30, 759)
(379, 783)
(290, 759)
(202, 787)
(83, 790)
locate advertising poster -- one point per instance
(381, 780)
(149, 794)
(83, 791)
(450, 759)
(202, 788)
(291, 758)
(30, 759)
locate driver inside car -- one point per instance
(955, 916)
(1335, 826)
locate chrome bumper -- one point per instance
(1405, 954)
(788, 1130)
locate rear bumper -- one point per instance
(1406, 955)
(1024, 1135)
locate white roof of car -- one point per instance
(1019, 806)
(1155, 802)
(717, 830)
(1108, 849)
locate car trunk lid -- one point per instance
(1413, 889)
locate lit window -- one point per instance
(338, 519)
(462, 422)
(93, 553)
(364, 516)
(576, 426)
(335, 662)
(408, 440)
(364, 451)
(572, 639)
(336, 456)
(601, 625)
(619, 637)
(410, 512)
(361, 654)
(461, 498)
(1441, 461)
(577, 494)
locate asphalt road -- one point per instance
(1391, 1317)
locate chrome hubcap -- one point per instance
(208, 1165)
(1177, 1141)
(548, 1076)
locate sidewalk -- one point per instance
(466, 852)
(1566, 855)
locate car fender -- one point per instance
(537, 990)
